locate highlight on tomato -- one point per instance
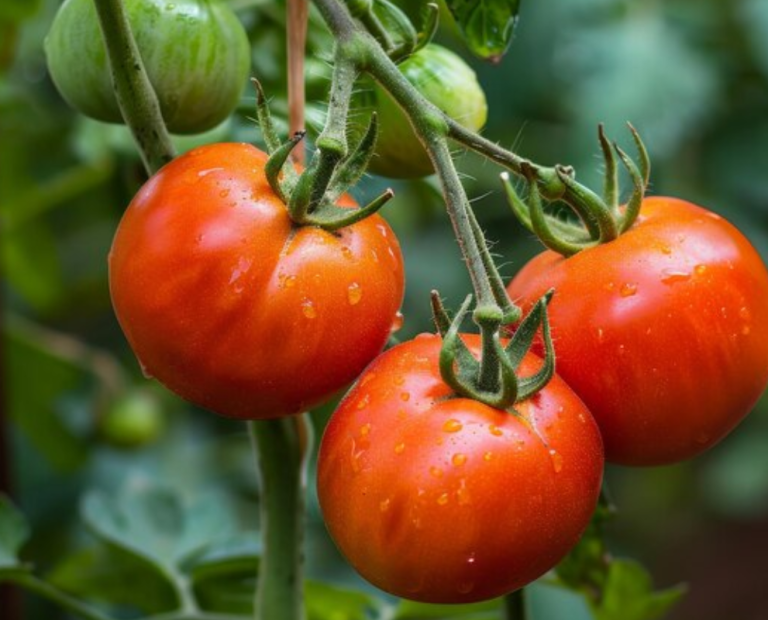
(442, 499)
(661, 332)
(233, 307)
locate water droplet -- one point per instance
(700, 270)
(199, 239)
(465, 587)
(724, 312)
(405, 396)
(452, 426)
(471, 559)
(399, 380)
(557, 460)
(442, 500)
(365, 429)
(622, 349)
(488, 456)
(628, 289)
(145, 371)
(665, 249)
(462, 494)
(495, 430)
(609, 286)
(205, 173)
(435, 471)
(745, 330)
(600, 335)
(346, 251)
(702, 438)
(363, 402)
(308, 308)
(400, 448)
(224, 193)
(375, 256)
(744, 313)
(673, 276)
(582, 418)
(384, 505)
(287, 281)
(397, 322)
(459, 459)
(354, 293)
(401, 415)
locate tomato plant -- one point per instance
(445, 80)
(441, 498)
(195, 52)
(660, 331)
(234, 308)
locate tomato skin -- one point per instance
(196, 54)
(232, 307)
(444, 79)
(662, 332)
(442, 499)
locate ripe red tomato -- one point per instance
(234, 308)
(662, 332)
(443, 499)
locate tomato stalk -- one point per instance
(281, 447)
(135, 94)
(516, 606)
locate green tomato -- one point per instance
(196, 54)
(133, 420)
(444, 79)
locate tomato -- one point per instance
(442, 499)
(196, 54)
(135, 419)
(662, 332)
(234, 308)
(444, 79)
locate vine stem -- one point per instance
(280, 447)
(135, 94)
(516, 606)
(63, 600)
(298, 13)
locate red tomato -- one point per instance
(662, 332)
(233, 307)
(443, 499)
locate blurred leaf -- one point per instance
(101, 574)
(487, 26)
(754, 17)
(18, 10)
(14, 532)
(31, 264)
(155, 524)
(326, 602)
(37, 380)
(409, 610)
(224, 580)
(629, 595)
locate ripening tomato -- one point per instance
(234, 308)
(442, 499)
(196, 54)
(662, 332)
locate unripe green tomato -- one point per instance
(445, 80)
(196, 54)
(134, 420)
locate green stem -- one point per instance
(135, 95)
(280, 446)
(74, 606)
(515, 606)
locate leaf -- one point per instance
(326, 602)
(101, 574)
(487, 26)
(629, 595)
(224, 579)
(14, 532)
(156, 524)
(38, 381)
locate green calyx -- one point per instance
(493, 379)
(392, 28)
(602, 218)
(311, 196)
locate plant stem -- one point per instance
(516, 606)
(63, 600)
(298, 11)
(135, 94)
(280, 447)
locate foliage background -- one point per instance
(692, 75)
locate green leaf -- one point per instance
(101, 574)
(326, 602)
(14, 532)
(487, 26)
(156, 524)
(629, 595)
(38, 379)
(409, 610)
(224, 579)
